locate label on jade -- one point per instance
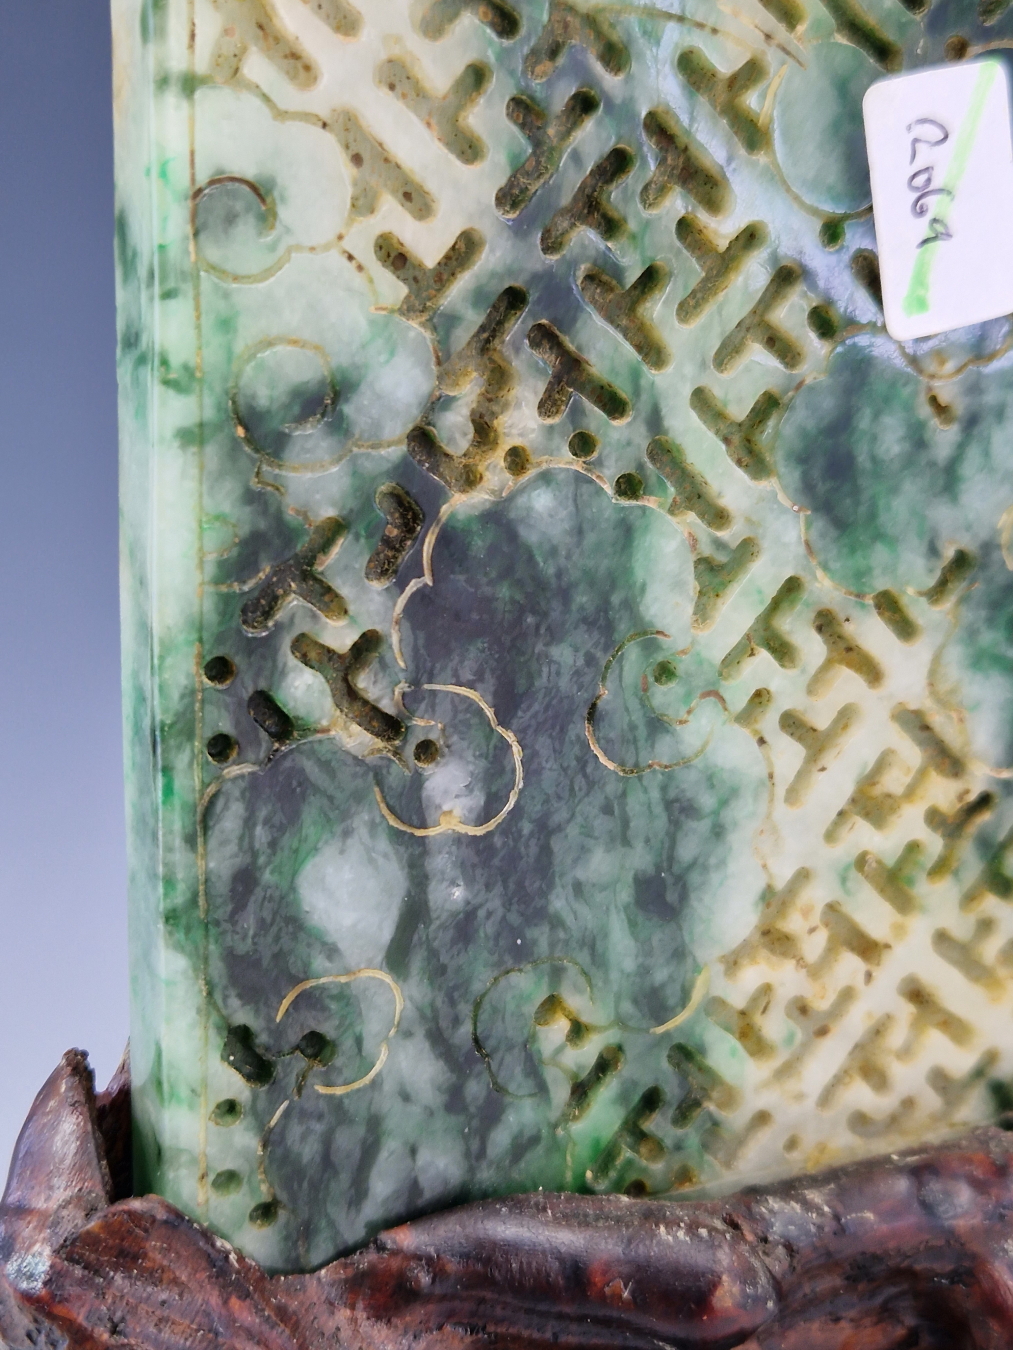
(941, 165)
(567, 640)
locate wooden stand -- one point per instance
(912, 1250)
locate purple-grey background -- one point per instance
(63, 978)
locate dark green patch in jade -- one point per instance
(220, 671)
(517, 461)
(227, 1183)
(240, 1052)
(316, 1048)
(824, 321)
(629, 487)
(270, 716)
(226, 1112)
(426, 752)
(264, 1214)
(583, 445)
(221, 748)
(832, 233)
(863, 439)
(582, 1093)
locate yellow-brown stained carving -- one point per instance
(876, 798)
(340, 16)
(480, 357)
(483, 348)
(769, 940)
(753, 711)
(843, 653)
(952, 575)
(743, 1023)
(814, 1024)
(871, 800)
(254, 23)
(945, 414)
(966, 956)
(720, 266)
(867, 1060)
(742, 440)
(821, 747)
(365, 973)
(554, 1008)
(893, 884)
(704, 1087)
(339, 670)
(623, 310)
(572, 374)
(299, 578)
(845, 935)
(692, 494)
(929, 1014)
(568, 23)
(682, 163)
(895, 614)
(854, 25)
(583, 1091)
(375, 171)
(865, 270)
(993, 879)
(717, 579)
(756, 328)
(869, 1127)
(457, 473)
(763, 634)
(443, 114)
(726, 1146)
(631, 1137)
(427, 287)
(590, 207)
(727, 94)
(790, 14)
(270, 716)
(936, 755)
(550, 139)
(405, 519)
(956, 829)
(954, 1092)
(440, 16)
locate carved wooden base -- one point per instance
(913, 1250)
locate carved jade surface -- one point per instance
(567, 640)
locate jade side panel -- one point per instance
(567, 642)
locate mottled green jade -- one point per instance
(568, 643)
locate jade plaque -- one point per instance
(567, 640)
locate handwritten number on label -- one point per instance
(920, 182)
(920, 207)
(916, 141)
(937, 231)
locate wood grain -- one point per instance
(912, 1250)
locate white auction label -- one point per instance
(941, 164)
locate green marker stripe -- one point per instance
(916, 301)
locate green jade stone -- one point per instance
(569, 702)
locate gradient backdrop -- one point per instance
(63, 978)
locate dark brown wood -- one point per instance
(913, 1250)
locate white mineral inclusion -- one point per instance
(351, 889)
